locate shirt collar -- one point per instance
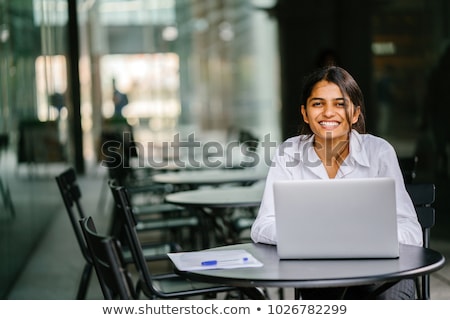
(358, 152)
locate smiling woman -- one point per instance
(333, 145)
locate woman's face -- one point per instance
(325, 112)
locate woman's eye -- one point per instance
(316, 104)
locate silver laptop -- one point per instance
(336, 219)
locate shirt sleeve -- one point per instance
(409, 229)
(264, 229)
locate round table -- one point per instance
(413, 261)
(219, 197)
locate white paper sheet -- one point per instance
(213, 259)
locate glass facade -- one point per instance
(178, 67)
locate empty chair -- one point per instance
(163, 286)
(423, 196)
(106, 255)
(71, 195)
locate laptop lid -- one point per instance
(335, 219)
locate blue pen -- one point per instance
(215, 262)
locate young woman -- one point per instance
(333, 144)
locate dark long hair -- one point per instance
(348, 86)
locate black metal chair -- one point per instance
(105, 252)
(423, 196)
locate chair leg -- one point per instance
(281, 293)
(254, 293)
(84, 283)
(426, 287)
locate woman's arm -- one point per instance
(409, 229)
(263, 229)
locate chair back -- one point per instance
(106, 254)
(423, 196)
(124, 210)
(71, 194)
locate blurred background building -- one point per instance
(71, 68)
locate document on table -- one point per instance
(213, 259)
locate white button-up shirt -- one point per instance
(369, 156)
